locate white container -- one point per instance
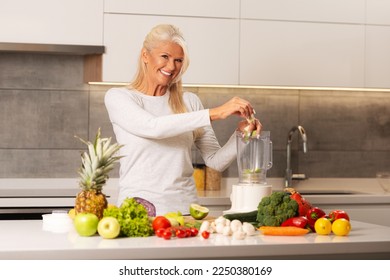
(57, 222)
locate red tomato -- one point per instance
(194, 231)
(167, 234)
(188, 232)
(338, 214)
(181, 233)
(160, 222)
(159, 232)
(205, 234)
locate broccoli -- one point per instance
(274, 209)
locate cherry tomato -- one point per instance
(160, 222)
(160, 232)
(194, 231)
(188, 232)
(205, 234)
(181, 233)
(167, 234)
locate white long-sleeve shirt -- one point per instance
(156, 163)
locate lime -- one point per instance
(198, 212)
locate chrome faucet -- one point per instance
(289, 175)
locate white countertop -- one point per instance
(26, 239)
(61, 192)
(365, 191)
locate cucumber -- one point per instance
(249, 217)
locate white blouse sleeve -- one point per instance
(125, 112)
(214, 156)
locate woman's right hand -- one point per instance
(235, 106)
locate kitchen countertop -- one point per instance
(26, 239)
(15, 192)
(341, 190)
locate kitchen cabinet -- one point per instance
(52, 22)
(247, 42)
(377, 12)
(301, 54)
(377, 56)
(346, 11)
(213, 46)
(196, 8)
(305, 43)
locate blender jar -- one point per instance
(254, 158)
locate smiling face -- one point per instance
(163, 65)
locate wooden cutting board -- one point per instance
(192, 221)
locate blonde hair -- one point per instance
(158, 34)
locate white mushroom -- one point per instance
(235, 225)
(205, 226)
(248, 228)
(239, 235)
(220, 220)
(227, 231)
(219, 228)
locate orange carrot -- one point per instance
(286, 231)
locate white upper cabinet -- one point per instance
(334, 43)
(378, 12)
(377, 57)
(346, 11)
(301, 54)
(197, 8)
(52, 21)
(213, 47)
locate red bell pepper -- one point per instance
(300, 222)
(338, 214)
(303, 204)
(313, 215)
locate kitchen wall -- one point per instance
(44, 103)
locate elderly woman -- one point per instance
(158, 123)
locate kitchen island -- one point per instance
(27, 239)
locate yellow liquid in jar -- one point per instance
(199, 178)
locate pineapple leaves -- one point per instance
(97, 162)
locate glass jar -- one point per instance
(213, 179)
(199, 176)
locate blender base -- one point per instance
(246, 198)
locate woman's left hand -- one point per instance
(247, 126)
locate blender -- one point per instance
(254, 159)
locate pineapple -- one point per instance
(96, 164)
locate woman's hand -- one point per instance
(235, 106)
(249, 125)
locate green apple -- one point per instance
(86, 224)
(108, 227)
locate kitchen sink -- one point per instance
(328, 192)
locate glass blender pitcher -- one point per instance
(254, 159)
